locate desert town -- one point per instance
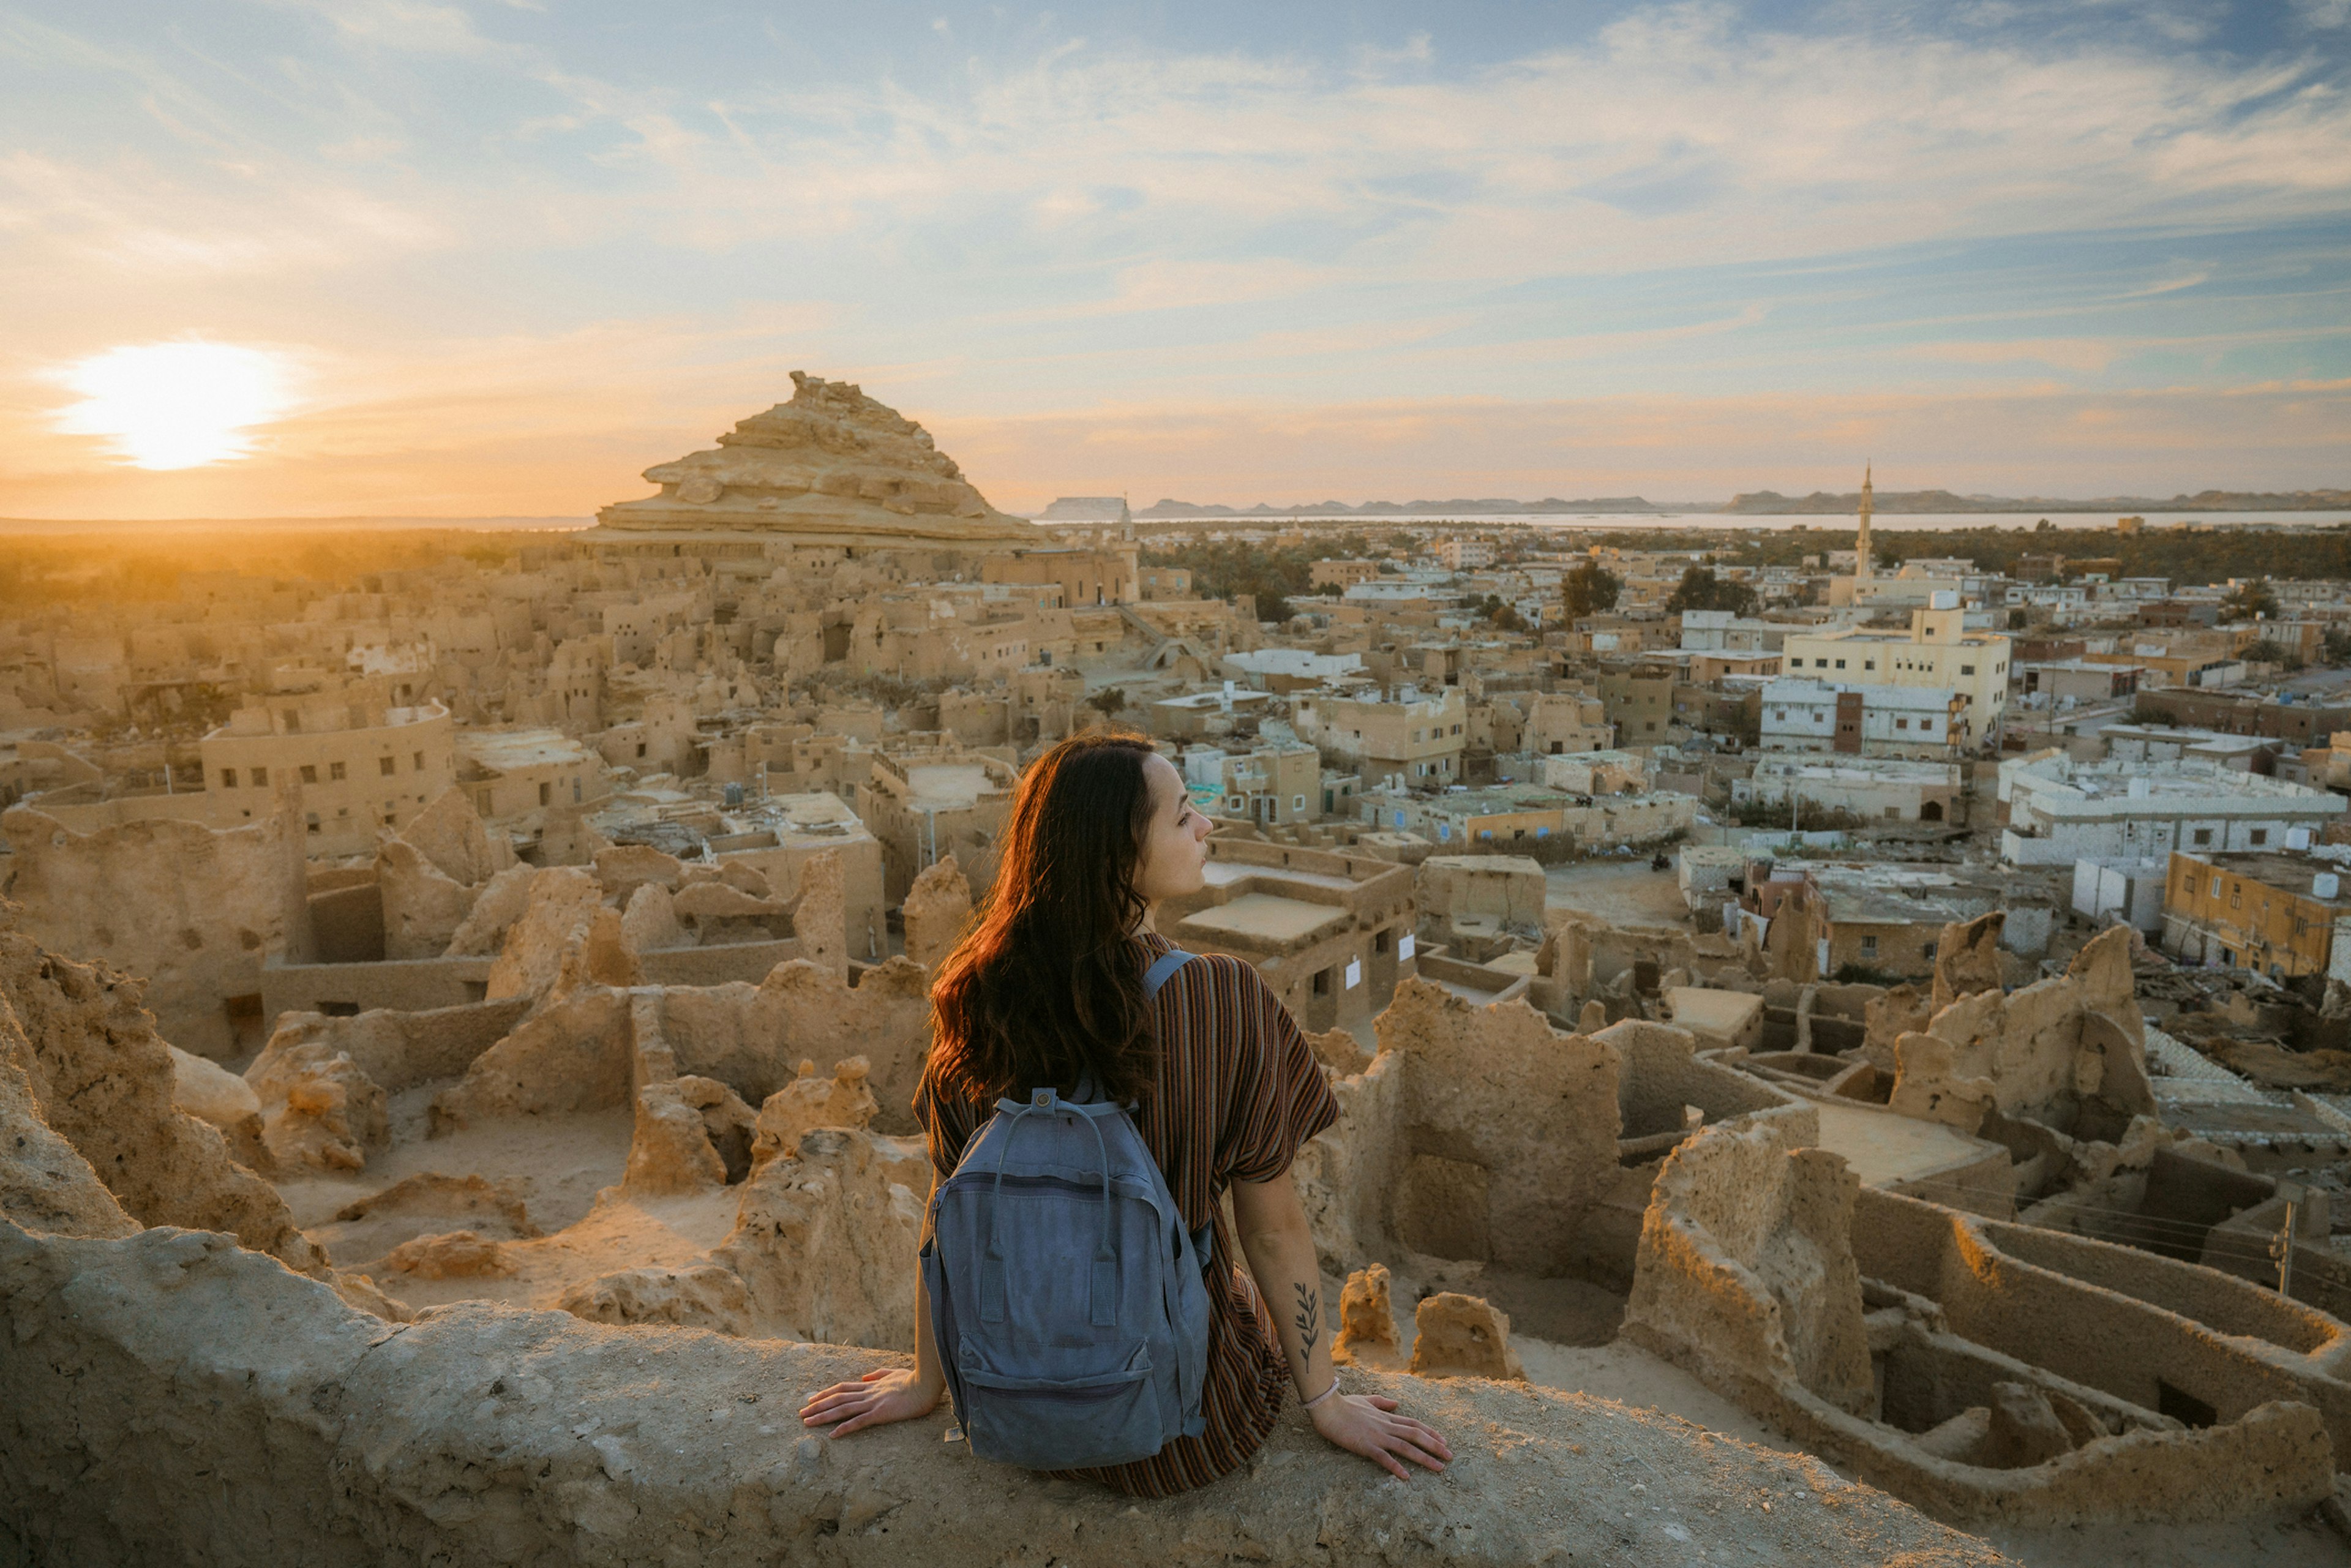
(1848, 1060)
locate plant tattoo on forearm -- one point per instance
(1309, 1319)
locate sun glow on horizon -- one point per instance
(177, 405)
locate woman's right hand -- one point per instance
(1367, 1424)
(886, 1393)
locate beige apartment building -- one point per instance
(1339, 574)
(360, 767)
(1269, 785)
(1413, 737)
(510, 773)
(1563, 723)
(1938, 652)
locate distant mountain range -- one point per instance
(1770, 503)
(1486, 508)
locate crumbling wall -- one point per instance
(134, 1428)
(1746, 1266)
(432, 873)
(1489, 1137)
(102, 1079)
(2114, 1318)
(2068, 1052)
(1752, 1275)
(191, 910)
(937, 907)
(753, 1038)
(401, 1050)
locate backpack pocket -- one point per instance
(1064, 1423)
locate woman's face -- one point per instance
(1175, 847)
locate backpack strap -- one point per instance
(1162, 968)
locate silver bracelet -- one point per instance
(1309, 1404)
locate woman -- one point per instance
(1047, 989)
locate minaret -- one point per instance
(1861, 555)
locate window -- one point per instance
(1298, 803)
(2203, 836)
(1869, 664)
(1967, 669)
(420, 762)
(2260, 836)
(547, 794)
(1379, 941)
(2216, 887)
(260, 777)
(228, 778)
(334, 770)
(640, 748)
(2236, 894)
(1234, 804)
(1840, 663)
(387, 766)
(1869, 947)
(1321, 982)
(1902, 724)
(310, 820)
(309, 773)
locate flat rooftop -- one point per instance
(944, 785)
(1227, 873)
(1265, 917)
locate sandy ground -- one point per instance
(559, 1164)
(1621, 892)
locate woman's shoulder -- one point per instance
(1223, 982)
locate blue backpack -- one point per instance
(1066, 1298)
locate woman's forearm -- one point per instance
(1280, 1246)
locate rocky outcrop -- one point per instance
(145, 1430)
(811, 1100)
(703, 1297)
(938, 907)
(320, 1111)
(832, 466)
(101, 1079)
(825, 1240)
(1367, 1331)
(1455, 1335)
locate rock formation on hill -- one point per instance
(832, 466)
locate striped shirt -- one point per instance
(1238, 1090)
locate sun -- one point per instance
(177, 405)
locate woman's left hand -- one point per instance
(885, 1394)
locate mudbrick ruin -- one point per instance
(458, 1028)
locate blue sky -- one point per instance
(509, 254)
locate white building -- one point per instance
(1720, 631)
(2127, 890)
(1863, 788)
(1823, 717)
(1464, 555)
(1939, 652)
(2060, 811)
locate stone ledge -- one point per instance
(169, 1396)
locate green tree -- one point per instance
(1700, 589)
(1107, 700)
(2252, 601)
(2334, 647)
(2270, 650)
(1589, 590)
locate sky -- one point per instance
(336, 258)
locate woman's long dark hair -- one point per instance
(1047, 986)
